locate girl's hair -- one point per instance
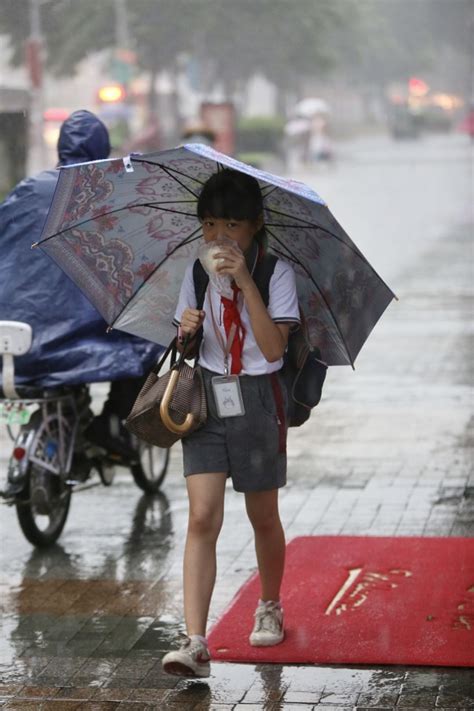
(231, 195)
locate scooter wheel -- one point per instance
(151, 467)
(43, 508)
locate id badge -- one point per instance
(228, 396)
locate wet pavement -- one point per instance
(388, 452)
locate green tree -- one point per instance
(398, 38)
(71, 30)
(230, 39)
(372, 41)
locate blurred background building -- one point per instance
(234, 74)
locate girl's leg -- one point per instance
(206, 513)
(262, 510)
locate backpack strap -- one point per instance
(263, 273)
(201, 280)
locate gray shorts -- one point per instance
(250, 448)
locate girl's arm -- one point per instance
(271, 338)
(191, 322)
(189, 319)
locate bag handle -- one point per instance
(166, 418)
(173, 349)
(176, 364)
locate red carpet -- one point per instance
(358, 600)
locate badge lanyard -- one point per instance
(226, 388)
(230, 338)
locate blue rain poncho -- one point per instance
(70, 344)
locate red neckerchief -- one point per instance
(232, 316)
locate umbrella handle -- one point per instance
(168, 422)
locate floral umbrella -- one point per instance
(125, 229)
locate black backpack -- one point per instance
(303, 370)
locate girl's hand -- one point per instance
(232, 262)
(191, 322)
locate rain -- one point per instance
(369, 103)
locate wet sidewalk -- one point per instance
(388, 452)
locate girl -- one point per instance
(240, 355)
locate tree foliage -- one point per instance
(230, 39)
(398, 38)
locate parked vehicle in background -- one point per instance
(467, 123)
(404, 123)
(51, 457)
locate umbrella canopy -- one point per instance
(124, 230)
(311, 106)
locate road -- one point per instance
(388, 452)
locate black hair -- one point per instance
(231, 195)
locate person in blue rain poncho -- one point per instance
(70, 344)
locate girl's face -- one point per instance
(241, 231)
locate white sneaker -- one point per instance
(268, 628)
(191, 659)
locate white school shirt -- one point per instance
(282, 307)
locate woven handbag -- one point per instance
(171, 406)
